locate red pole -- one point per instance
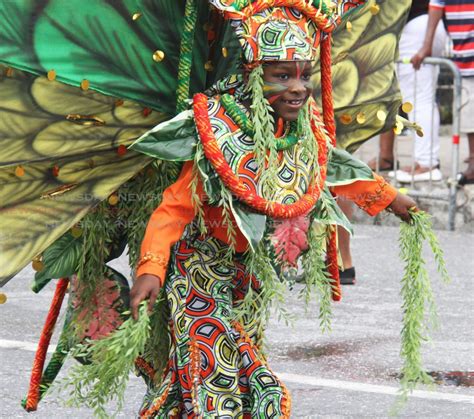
(37, 371)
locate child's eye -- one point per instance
(283, 77)
(306, 77)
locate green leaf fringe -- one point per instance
(97, 236)
(317, 279)
(156, 351)
(113, 359)
(196, 199)
(310, 147)
(271, 294)
(265, 148)
(419, 311)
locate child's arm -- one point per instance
(373, 196)
(164, 229)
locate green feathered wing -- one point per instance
(68, 166)
(365, 87)
(79, 82)
(99, 40)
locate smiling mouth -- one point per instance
(294, 103)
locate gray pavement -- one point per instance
(349, 373)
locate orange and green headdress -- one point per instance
(286, 30)
(282, 30)
(279, 30)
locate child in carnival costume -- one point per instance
(260, 188)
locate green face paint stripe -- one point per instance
(272, 91)
(271, 88)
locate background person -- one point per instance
(418, 88)
(426, 158)
(459, 18)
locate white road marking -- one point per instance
(24, 346)
(302, 379)
(372, 388)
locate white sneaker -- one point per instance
(405, 177)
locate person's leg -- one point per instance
(347, 276)
(427, 113)
(386, 156)
(467, 126)
(419, 88)
(409, 43)
(344, 238)
(467, 176)
(387, 141)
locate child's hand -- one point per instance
(400, 206)
(145, 286)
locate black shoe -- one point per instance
(347, 276)
(464, 180)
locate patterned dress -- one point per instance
(215, 367)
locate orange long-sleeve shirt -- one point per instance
(169, 220)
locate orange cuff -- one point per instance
(371, 196)
(153, 264)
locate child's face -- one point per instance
(287, 86)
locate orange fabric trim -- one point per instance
(145, 367)
(371, 196)
(149, 413)
(326, 89)
(286, 401)
(194, 371)
(331, 264)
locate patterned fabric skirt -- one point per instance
(215, 369)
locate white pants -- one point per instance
(467, 105)
(419, 88)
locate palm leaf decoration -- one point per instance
(365, 87)
(110, 43)
(79, 82)
(53, 170)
